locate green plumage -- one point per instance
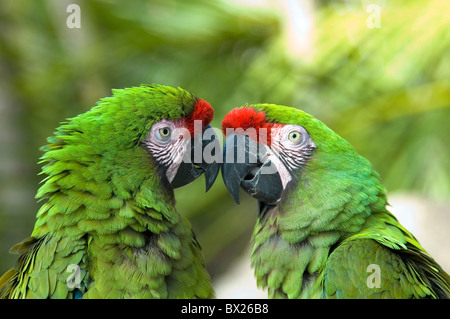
(108, 210)
(332, 226)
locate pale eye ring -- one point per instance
(163, 134)
(295, 136)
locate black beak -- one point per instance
(196, 161)
(246, 166)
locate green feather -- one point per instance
(319, 240)
(108, 210)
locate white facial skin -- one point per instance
(288, 144)
(167, 142)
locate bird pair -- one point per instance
(323, 229)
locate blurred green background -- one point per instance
(376, 72)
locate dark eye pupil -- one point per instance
(165, 131)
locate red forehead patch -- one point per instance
(202, 112)
(246, 118)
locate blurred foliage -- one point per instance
(386, 90)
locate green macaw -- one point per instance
(323, 228)
(108, 227)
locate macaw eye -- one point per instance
(295, 136)
(163, 134)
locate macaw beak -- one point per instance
(195, 163)
(247, 167)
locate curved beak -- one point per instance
(246, 165)
(196, 161)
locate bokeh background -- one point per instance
(376, 72)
